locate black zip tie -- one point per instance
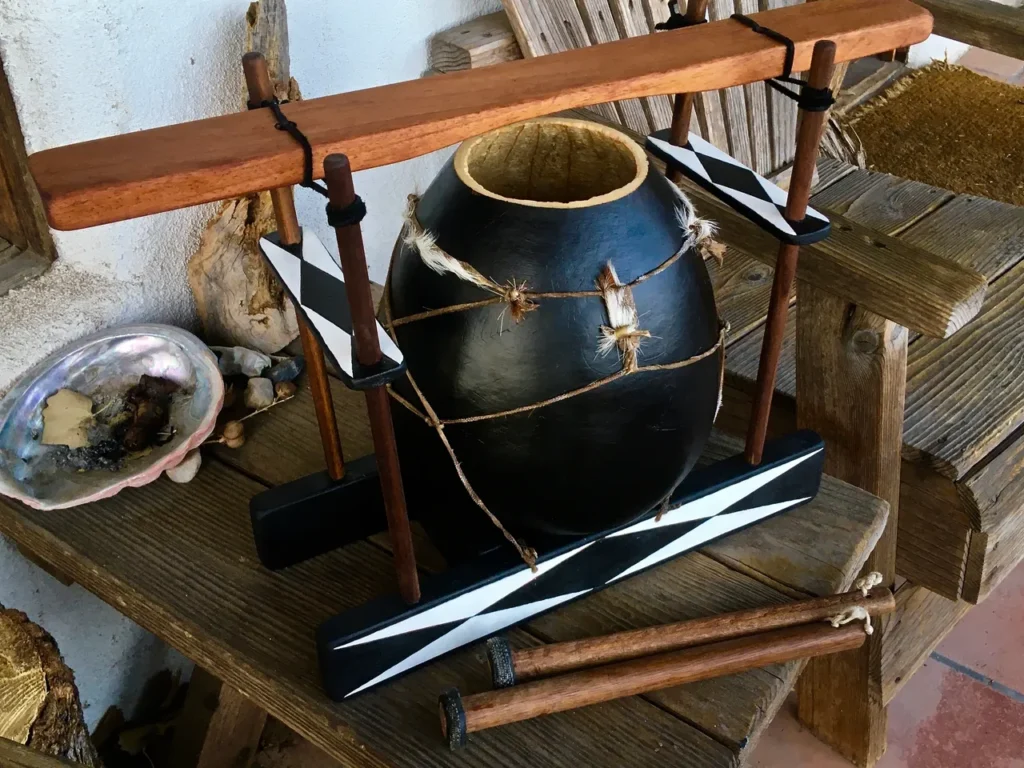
(336, 217)
(676, 20)
(808, 99)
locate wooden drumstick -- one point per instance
(462, 715)
(510, 667)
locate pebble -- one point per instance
(259, 393)
(187, 469)
(285, 389)
(234, 360)
(286, 370)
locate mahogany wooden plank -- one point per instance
(167, 168)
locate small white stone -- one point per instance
(235, 360)
(187, 469)
(259, 393)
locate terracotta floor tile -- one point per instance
(990, 639)
(941, 719)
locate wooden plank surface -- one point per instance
(994, 489)
(14, 755)
(194, 580)
(985, 24)
(993, 554)
(911, 286)
(782, 111)
(756, 97)
(163, 169)
(965, 395)
(480, 42)
(843, 521)
(632, 18)
(734, 101)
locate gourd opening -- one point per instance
(552, 163)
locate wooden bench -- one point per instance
(179, 560)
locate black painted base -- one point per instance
(383, 638)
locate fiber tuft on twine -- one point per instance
(622, 316)
(513, 293)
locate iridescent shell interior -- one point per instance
(99, 365)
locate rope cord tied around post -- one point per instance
(808, 99)
(677, 20)
(336, 217)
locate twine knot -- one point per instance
(868, 582)
(856, 613)
(519, 303)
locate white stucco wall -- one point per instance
(936, 47)
(81, 70)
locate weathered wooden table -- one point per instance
(179, 560)
(961, 504)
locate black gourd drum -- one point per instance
(538, 208)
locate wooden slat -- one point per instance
(742, 288)
(874, 84)
(599, 20)
(921, 620)
(816, 549)
(974, 232)
(782, 112)
(829, 172)
(554, 27)
(734, 100)
(18, 266)
(880, 201)
(851, 379)
(966, 395)
(994, 553)
(480, 42)
(14, 755)
(911, 286)
(167, 168)
(632, 20)
(756, 96)
(995, 488)
(982, 23)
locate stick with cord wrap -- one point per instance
(344, 212)
(510, 667)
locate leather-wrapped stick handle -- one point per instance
(510, 667)
(462, 715)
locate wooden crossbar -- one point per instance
(163, 169)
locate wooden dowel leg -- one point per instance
(462, 715)
(807, 143)
(510, 667)
(257, 80)
(682, 106)
(338, 175)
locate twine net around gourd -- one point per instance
(623, 332)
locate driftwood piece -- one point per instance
(39, 704)
(238, 298)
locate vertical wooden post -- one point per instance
(257, 80)
(807, 141)
(338, 175)
(682, 106)
(851, 378)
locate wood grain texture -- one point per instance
(756, 97)
(167, 168)
(18, 266)
(734, 101)
(742, 286)
(818, 548)
(921, 620)
(908, 285)
(981, 23)
(480, 42)
(993, 554)
(873, 85)
(851, 379)
(21, 208)
(782, 111)
(994, 489)
(217, 726)
(16, 756)
(965, 395)
(632, 19)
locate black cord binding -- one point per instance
(336, 217)
(809, 99)
(677, 20)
